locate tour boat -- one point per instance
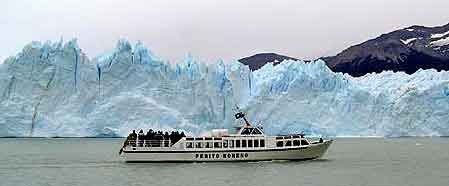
(247, 144)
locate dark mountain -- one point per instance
(407, 50)
(404, 50)
(255, 62)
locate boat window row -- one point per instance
(290, 137)
(290, 143)
(244, 143)
(202, 138)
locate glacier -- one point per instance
(54, 89)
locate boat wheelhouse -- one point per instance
(247, 144)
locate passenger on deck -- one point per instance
(131, 139)
(149, 135)
(140, 138)
(166, 138)
(146, 137)
(154, 138)
(134, 135)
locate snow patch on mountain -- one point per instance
(439, 35)
(440, 42)
(407, 41)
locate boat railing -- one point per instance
(149, 143)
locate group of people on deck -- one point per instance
(154, 138)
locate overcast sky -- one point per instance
(209, 29)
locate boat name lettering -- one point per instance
(223, 155)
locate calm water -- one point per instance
(95, 162)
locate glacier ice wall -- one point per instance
(54, 89)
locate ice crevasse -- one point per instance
(54, 89)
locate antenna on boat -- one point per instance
(240, 114)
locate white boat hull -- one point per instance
(308, 152)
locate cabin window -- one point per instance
(198, 145)
(304, 142)
(225, 144)
(217, 144)
(237, 143)
(246, 131)
(243, 143)
(296, 143)
(288, 143)
(189, 139)
(189, 145)
(279, 144)
(256, 131)
(279, 138)
(231, 143)
(208, 145)
(262, 143)
(256, 143)
(250, 143)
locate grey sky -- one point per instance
(227, 29)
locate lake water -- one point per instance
(95, 162)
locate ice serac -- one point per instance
(54, 89)
(310, 97)
(41, 86)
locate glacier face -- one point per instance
(54, 89)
